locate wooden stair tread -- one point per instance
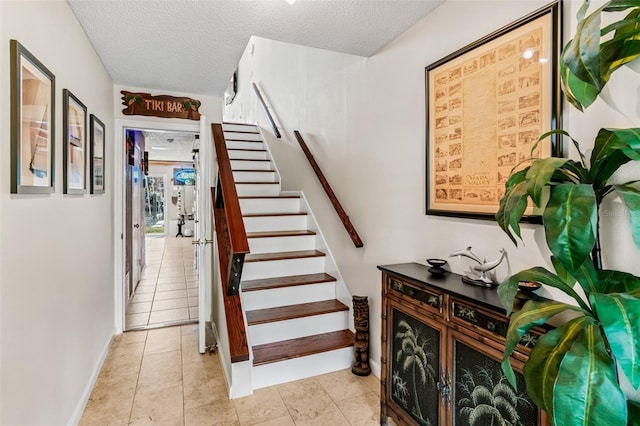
(282, 313)
(303, 346)
(241, 131)
(289, 281)
(248, 159)
(246, 197)
(273, 214)
(246, 150)
(282, 255)
(269, 234)
(241, 140)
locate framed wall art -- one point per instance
(487, 104)
(74, 117)
(96, 155)
(32, 123)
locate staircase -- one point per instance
(297, 327)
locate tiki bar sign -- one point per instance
(160, 106)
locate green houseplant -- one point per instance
(586, 371)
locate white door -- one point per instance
(203, 232)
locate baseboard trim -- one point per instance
(86, 394)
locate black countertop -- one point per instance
(450, 283)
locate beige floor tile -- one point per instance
(374, 383)
(146, 289)
(143, 297)
(160, 370)
(192, 284)
(122, 360)
(129, 337)
(138, 308)
(191, 277)
(193, 313)
(192, 292)
(193, 301)
(162, 280)
(361, 410)
(220, 413)
(169, 315)
(280, 421)
(207, 392)
(136, 320)
(343, 384)
(201, 368)
(161, 305)
(111, 401)
(265, 404)
(173, 294)
(191, 354)
(163, 340)
(171, 274)
(189, 329)
(160, 406)
(146, 282)
(309, 403)
(172, 287)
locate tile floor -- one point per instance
(158, 377)
(168, 289)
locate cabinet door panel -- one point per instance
(415, 354)
(481, 394)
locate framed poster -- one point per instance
(32, 123)
(487, 105)
(96, 155)
(74, 120)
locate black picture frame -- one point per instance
(486, 106)
(32, 123)
(96, 155)
(74, 153)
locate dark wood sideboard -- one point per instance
(442, 344)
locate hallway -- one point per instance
(158, 377)
(168, 289)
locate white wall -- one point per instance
(56, 258)
(364, 120)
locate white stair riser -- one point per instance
(298, 327)
(269, 205)
(228, 127)
(300, 368)
(254, 176)
(275, 244)
(247, 155)
(282, 268)
(250, 165)
(286, 296)
(243, 136)
(275, 223)
(269, 189)
(244, 145)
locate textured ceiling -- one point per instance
(169, 146)
(193, 46)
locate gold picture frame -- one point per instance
(32, 123)
(487, 104)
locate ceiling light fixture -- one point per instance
(159, 148)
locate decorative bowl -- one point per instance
(528, 286)
(437, 263)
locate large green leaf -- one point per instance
(513, 204)
(570, 223)
(582, 53)
(619, 315)
(508, 289)
(544, 360)
(630, 194)
(620, 5)
(586, 391)
(623, 47)
(613, 148)
(579, 93)
(618, 282)
(587, 276)
(532, 313)
(540, 174)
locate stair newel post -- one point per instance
(361, 346)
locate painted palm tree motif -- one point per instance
(412, 356)
(488, 400)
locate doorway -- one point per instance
(161, 274)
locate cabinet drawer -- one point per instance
(490, 324)
(427, 299)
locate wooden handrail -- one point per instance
(266, 111)
(238, 346)
(332, 196)
(235, 237)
